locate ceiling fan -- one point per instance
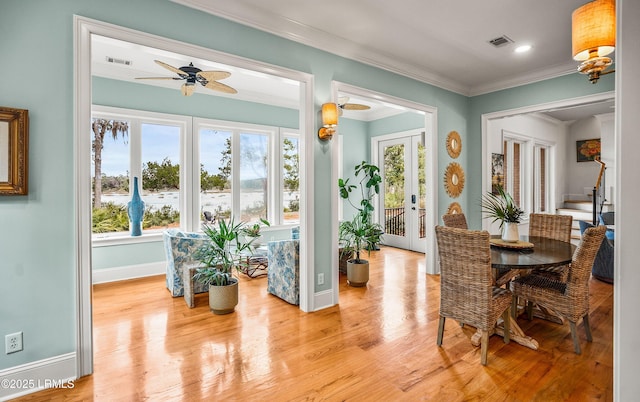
(192, 74)
(344, 105)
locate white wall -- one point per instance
(538, 128)
(626, 323)
(583, 175)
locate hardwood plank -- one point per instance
(378, 344)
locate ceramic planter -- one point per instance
(357, 274)
(223, 299)
(510, 232)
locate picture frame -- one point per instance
(497, 172)
(14, 150)
(588, 150)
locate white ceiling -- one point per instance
(440, 42)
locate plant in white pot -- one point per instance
(229, 249)
(501, 207)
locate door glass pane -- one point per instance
(394, 198)
(253, 176)
(422, 189)
(291, 180)
(110, 164)
(215, 174)
(160, 158)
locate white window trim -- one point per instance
(190, 166)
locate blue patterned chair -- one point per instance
(283, 274)
(180, 248)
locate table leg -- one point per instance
(516, 333)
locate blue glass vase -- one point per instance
(136, 210)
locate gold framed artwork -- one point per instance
(454, 144)
(454, 208)
(588, 150)
(14, 149)
(454, 179)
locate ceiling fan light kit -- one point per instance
(593, 33)
(193, 75)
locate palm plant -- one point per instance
(227, 249)
(359, 234)
(501, 207)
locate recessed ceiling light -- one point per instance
(522, 49)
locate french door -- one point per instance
(402, 204)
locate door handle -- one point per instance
(413, 199)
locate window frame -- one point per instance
(189, 193)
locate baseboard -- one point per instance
(54, 372)
(322, 300)
(128, 272)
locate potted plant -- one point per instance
(355, 236)
(501, 207)
(254, 231)
(229, 248)
(361, 231)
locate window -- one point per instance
(184, 175)
(527, 167)
(540, 178)
(514, 150)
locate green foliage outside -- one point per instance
(114, 218)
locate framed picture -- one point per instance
(588, 150)
(497, 172)
(14, 140)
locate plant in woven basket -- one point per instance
(501, 207)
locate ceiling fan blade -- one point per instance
(172, 68)
(342, 100)
(213, 75)
(218, 86)
(158, 78)
(187, 89)
(355, 106)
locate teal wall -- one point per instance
(38, 268)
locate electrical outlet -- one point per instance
(13, 342)
(320, 279)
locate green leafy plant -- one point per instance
(369, 185)
(255, 229)
(501, 207)
(358, 234)
(228, 249)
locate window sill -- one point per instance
(115, 239)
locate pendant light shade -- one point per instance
(594, 30)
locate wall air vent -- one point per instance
(118, 61)
(501, 41)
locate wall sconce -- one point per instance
(329, 121)
(594, 37)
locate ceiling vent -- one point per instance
(501, 41)
(118, 61)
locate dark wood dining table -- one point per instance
(544, 253)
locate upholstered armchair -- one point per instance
(180, 248)
(603, 264)
(283, 274)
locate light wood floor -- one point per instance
(379, 344)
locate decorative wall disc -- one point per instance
(454, 144)
(454, 208)
(454, 179)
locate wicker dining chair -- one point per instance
(455, 221)
(570, 298)
(557, 227)
(467, 291)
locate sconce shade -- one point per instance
(330, 114)
(329, 121)
(594, 30)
